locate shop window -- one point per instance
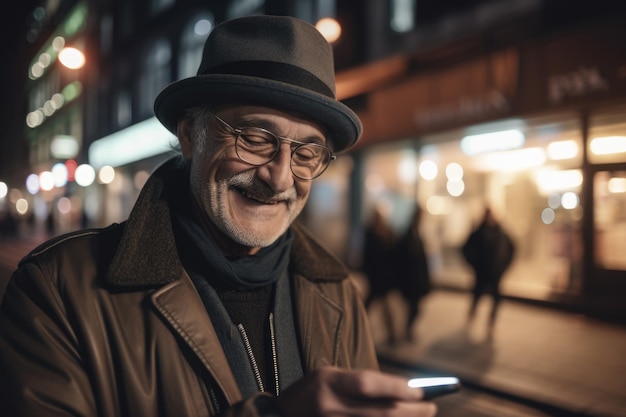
(610, 219)
(533, 184)
(607, 137)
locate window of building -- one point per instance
(402, 17)
(155, 74)
(123, 109)
(238, 8)
(326, 8)
(157, 6)
(192, 42)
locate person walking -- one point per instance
(489, 250)
(210, 300)
(414, 278)
(378, 266)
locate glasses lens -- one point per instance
(310, 160)
(256, 146)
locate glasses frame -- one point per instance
(237, 132)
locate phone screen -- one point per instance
(436, 386)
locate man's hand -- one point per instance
(330, 392)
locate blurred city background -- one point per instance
(516, 105)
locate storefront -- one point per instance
(552, 166)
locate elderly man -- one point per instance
(209, 300)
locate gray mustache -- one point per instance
(249, 183)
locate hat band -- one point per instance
(276, 71)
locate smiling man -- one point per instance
(252, 183)
(209, 300)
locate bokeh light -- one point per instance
(32, 184)
(46, 180)
(547, 216)
(569, 200)
(64, 205)
(454, 171)
(106, 174)
(59, 171)
(329, 28)
(428, 169)
(72, 58)
(21, 206)
(84, 175)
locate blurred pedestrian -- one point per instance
(489, 251)
(413, 279)
(378, 264)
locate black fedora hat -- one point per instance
(277, 61)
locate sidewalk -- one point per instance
(563, 361)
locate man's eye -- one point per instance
(256, 139)
(306, 153)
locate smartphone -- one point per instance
(436, 386)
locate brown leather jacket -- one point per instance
(107, 323)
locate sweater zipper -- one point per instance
(274, 353)
(255, 367)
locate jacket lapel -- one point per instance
(319, 321)
(181, 306)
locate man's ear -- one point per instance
(185, 138)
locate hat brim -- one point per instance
(344, 125)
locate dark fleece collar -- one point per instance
(147, 255)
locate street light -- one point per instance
(72, 58)
(329, 28)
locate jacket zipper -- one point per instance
(214, 400)
(255, 367)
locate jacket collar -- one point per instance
(146, 255)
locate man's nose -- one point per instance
(277, 173)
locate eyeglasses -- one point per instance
(257, 146)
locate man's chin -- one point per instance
(253, 234)
(258, 239)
